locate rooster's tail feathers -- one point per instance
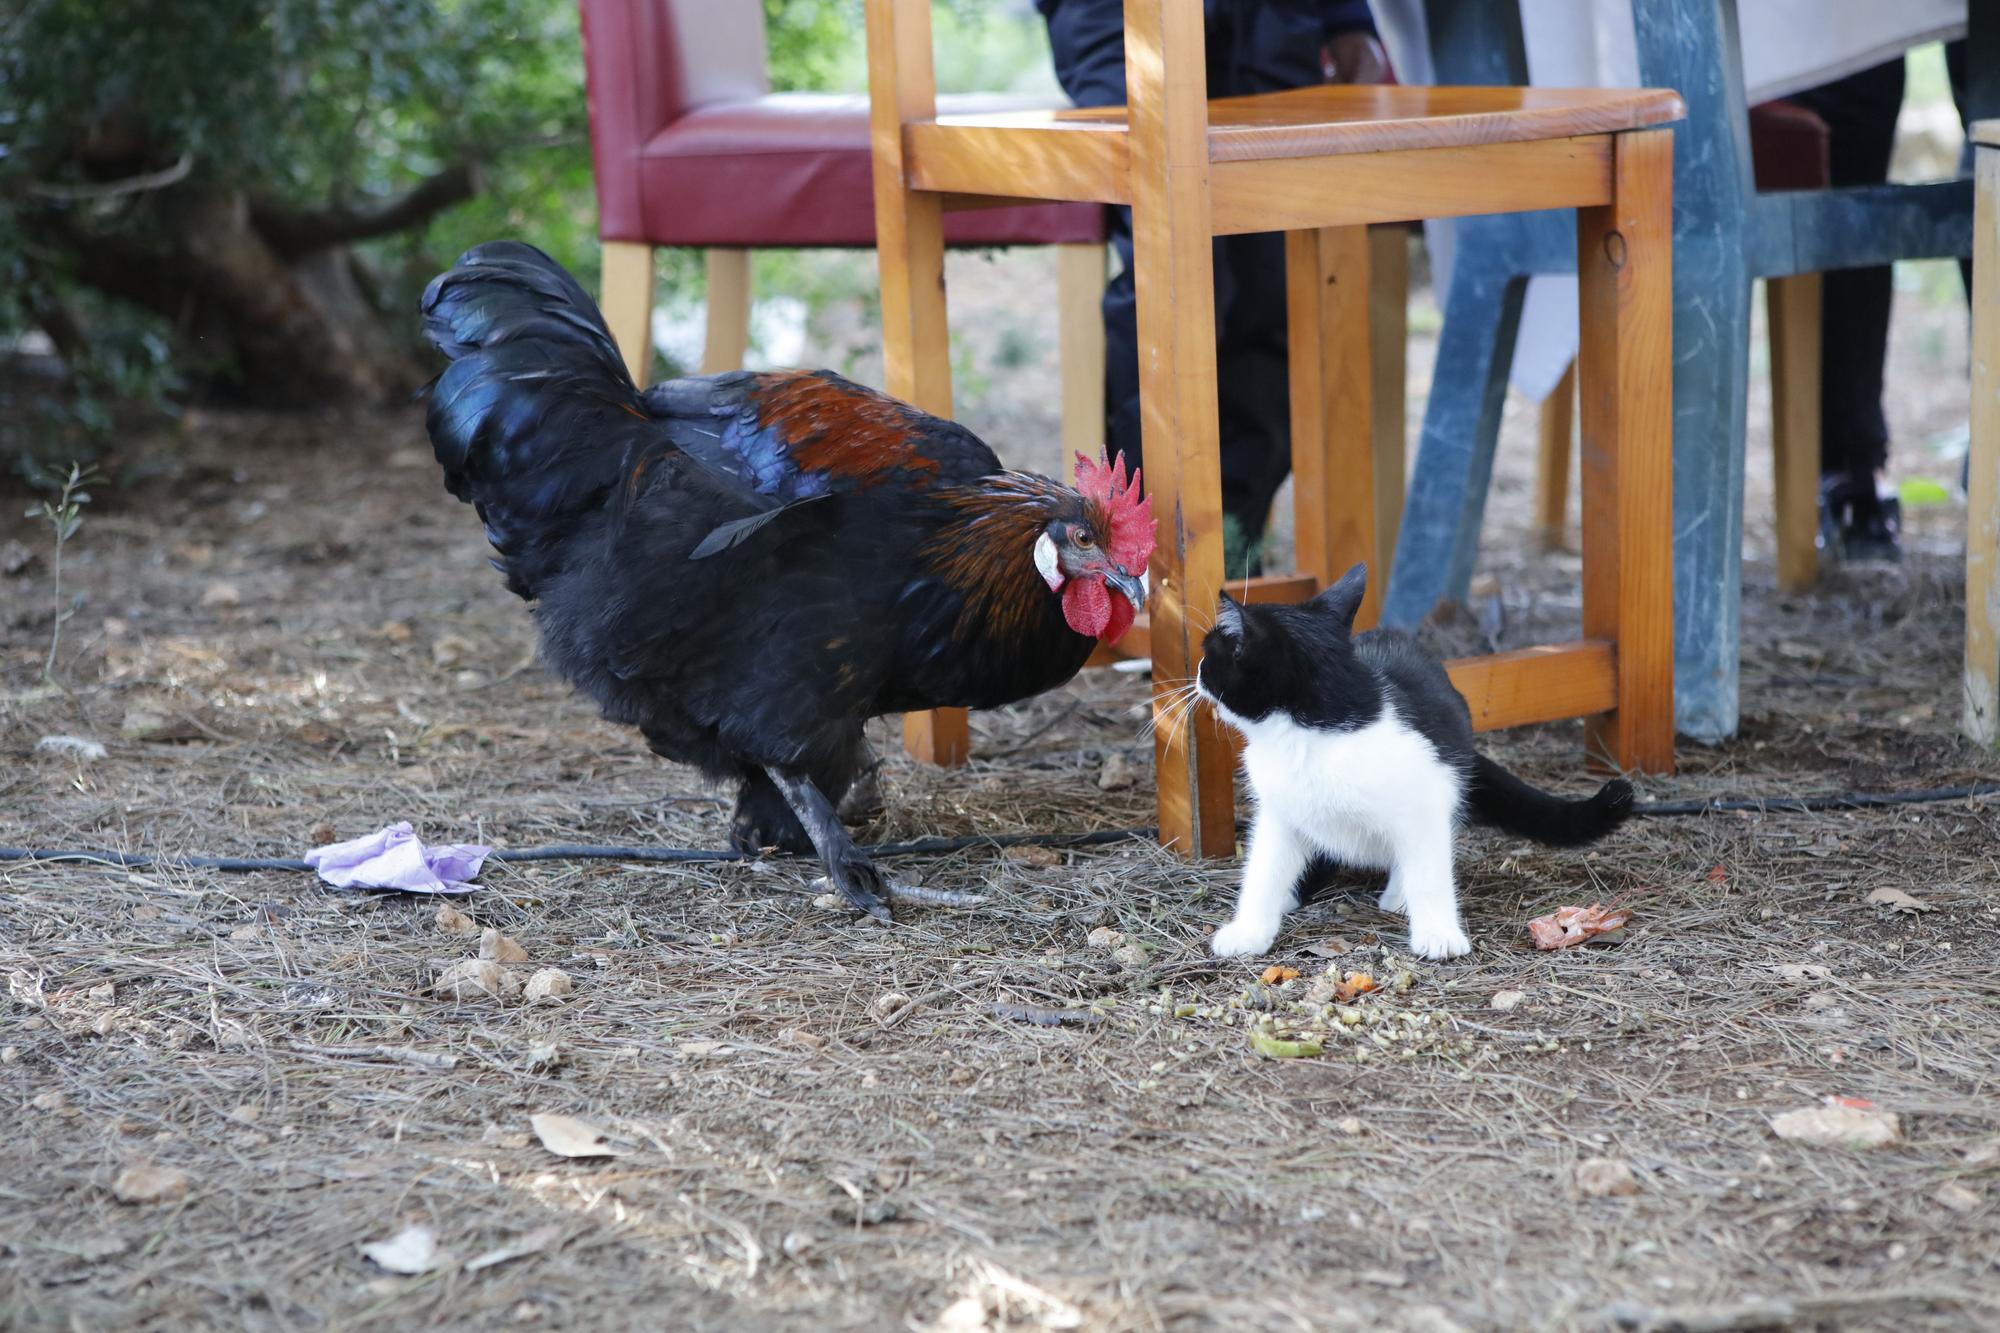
(530, 418)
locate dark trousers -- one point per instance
(1860, 114)
(1251, 49)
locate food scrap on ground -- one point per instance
(1277, 1048)
(1567, 926)
(1332, 987)
(1357, 983)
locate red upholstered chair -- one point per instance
(691, 148)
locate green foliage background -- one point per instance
(308, 102)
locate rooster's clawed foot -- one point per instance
(854, 876)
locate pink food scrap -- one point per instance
(1574, 925)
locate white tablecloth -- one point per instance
(1788, 45)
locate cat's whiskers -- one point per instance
(1177, 720)
(1169, 703)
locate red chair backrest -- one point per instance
(648, 62)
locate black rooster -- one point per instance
(747, 567)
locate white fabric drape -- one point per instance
(1788, 45)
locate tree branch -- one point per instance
(151, 180)
(294, 232)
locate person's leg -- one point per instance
(1255, 49)
(1860, 114)
(1087, 41)
(1253, 399)
(1954, 68)
(1252, 49)
(1961, 97)
(1121, 349)
(1253, 386)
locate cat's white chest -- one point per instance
(1355, 795)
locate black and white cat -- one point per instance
(1360, 751)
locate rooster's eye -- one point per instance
(1082, 538)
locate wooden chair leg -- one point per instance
(627, 300)
(1347, 293)
(1389, 342)
(1982, 533)
(1080, 343)
(909, 244)
(1175, 279)
(728, 340)
(1558, 421)
(1625, 373)
(1327, 298)
(1792, 309)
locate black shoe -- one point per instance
(1857, 523)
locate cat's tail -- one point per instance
(1499, 798)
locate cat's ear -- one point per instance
(1229, 616)
(1343, 599)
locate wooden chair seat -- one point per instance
(1325, 121)
(1403, 154)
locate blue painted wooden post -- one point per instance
(1477, 44)
(1438, 543)
(1691, 47)
(1681, 48)
(1444, 508)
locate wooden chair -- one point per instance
(1320, 164)
(1982, 480)
(691, 148)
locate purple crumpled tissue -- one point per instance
(393, 858)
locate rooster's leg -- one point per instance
(852, 873)
(764, 818)
(862, 802)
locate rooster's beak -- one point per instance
(1133, 588)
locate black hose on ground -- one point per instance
(682, 855)
(1800, 805)
(1774, 805)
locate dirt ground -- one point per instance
(827, 1124)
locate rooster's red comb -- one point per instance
(1130, 541)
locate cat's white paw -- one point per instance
(1241, 937)
(1440, 941)
(1392, 899)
